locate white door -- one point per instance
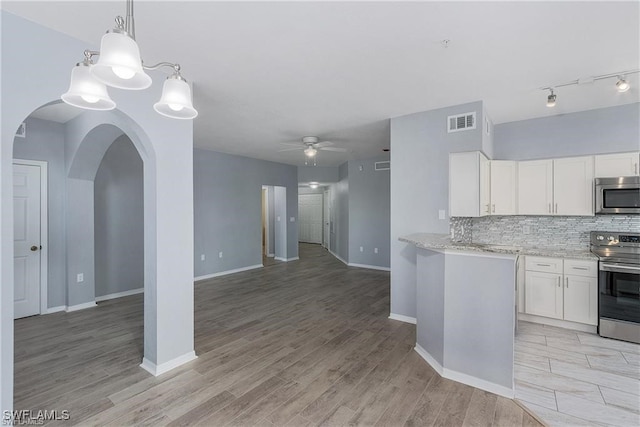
(26, 235)
(573, 186)
(535, 187)
(310, 218)
(503, 187)
(326, 218)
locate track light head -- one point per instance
(551, 99)
(622, 85)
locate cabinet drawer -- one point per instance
(546, 265)
(578, 267)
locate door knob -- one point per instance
(34, 248)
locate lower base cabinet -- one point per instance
(564, 289)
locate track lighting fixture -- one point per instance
(622, 84)
(551, 99)
(120, 66)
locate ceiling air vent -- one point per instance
(460, 122)
(383, 166)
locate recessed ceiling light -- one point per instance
(622, 84)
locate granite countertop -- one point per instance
(443, 241)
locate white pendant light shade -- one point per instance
(120, 64)
(176, 99)
(87, 92)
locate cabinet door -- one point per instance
(543, 294)
(535, 187)
(615, 165)
(573, 186)
(464, 184)
(581, 299)
(503, 187)
(485, 186)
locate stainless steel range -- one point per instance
(618, 284)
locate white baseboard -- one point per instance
(227, 272)
(337, 256)
(464, 378)
(120, 294)
(295, 258)
(271, 255)
(56, 309)
(370, 267)
(160, 369)
(80, 306)
(558, 323)
(402, 318)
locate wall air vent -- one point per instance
(460, 122)
(383, 166)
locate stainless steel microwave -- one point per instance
(618, 195)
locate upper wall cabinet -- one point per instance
(468, 184)
(573, 186)
(535, 187)
(615, 165)
(504, 177)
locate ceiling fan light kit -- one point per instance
(121, 66)
(622, 85)
(310, 146)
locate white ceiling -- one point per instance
(270, 72)
(59, 112)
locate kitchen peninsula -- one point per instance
(466, 310)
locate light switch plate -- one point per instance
(441, 214)
(80, 277)
(292, 219)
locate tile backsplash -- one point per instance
(566, 232)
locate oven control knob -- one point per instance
(611, 238)
(600, 237)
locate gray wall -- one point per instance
(45, 142)
(227, 209)
(420, 147)
(118, 220)
(323, 174)
(605, 130)
(369, 212)
(339, 227)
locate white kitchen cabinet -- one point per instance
(543, 294)
(504, 178)
(581, 299)
(468, 186)
(573, 186)
(535, 187)
(564, 289)
(615, 165)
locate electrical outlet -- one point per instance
(292, 219)
(219, 254)
(441, 214)
(202, 257)
(80, 278)
(361, 249)
(375, 250)
(278, 219)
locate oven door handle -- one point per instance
(620, 268)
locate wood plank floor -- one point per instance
(299, 343)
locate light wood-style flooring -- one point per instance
(299, 343)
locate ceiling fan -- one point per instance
(310, 146)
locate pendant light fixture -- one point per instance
(120, 66)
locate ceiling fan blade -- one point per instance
(323, 144)
(336, 149)
(291, 149)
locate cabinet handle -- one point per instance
(580, 268)
(543, 265)
(566, 280)
(635, 168)
(559, 285)
(556, 208)
(550, 208)
(493, 208)
(488, 210)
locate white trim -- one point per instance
(295, 258)
(80, 306)
(558, 323)
(337, 256)
(265, 192)
(370, 267)
(44, 228)
(402, 318)
(56, 309)
(226, 272)
(120, 294)
(429, 359)
(271, 255)
(160, 369)
(464, 378)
